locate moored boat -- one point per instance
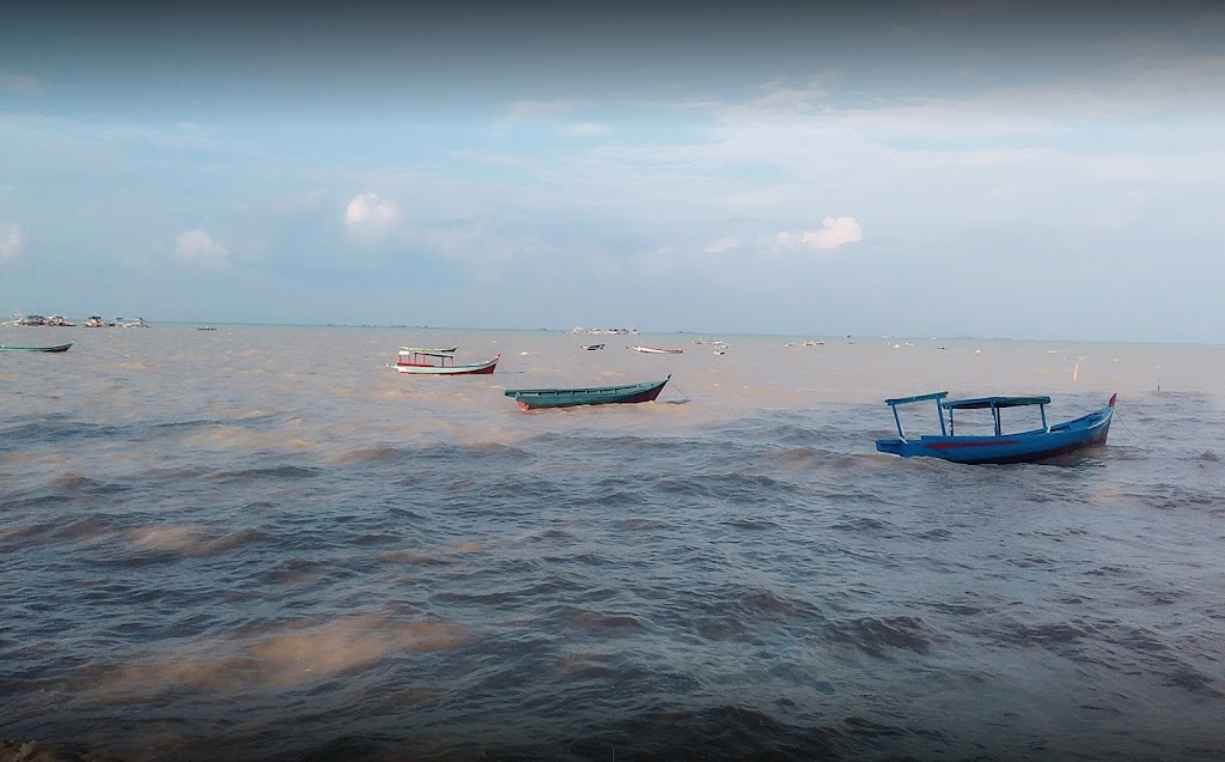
(656, 350)
(416, 361)
(592, 347)
(53, 348)
(533, 399)
(1029, 446)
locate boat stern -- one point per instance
(891, 446)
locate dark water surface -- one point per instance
(260, 543)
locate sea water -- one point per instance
(260, 542)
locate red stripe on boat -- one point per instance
(958, 445)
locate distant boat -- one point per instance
(205, 328)
(55, 348)
(533, 399)
(593, 347)
(417, 361)
(656, 351)
(1023, 447)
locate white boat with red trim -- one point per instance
(418, 362)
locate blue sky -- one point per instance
(995, 169)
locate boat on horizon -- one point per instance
(534, 399)
(656, 351)
(1031, 446)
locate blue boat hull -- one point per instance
(1024, 447)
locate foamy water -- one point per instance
(261, 543)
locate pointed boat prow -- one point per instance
(1112, 399)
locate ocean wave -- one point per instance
(876, 636)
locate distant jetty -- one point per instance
(607, 331)
(59, 321)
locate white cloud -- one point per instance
(369, 209)
(836, 232)
(11, 242)
(198, 248)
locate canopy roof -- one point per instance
(979, 403)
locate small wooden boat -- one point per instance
(592, 347)
(656, 351)
(55, 348)
(1022, 447)
(423, 362)
(532, 399)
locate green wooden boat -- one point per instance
(55, 348)
(533, 399)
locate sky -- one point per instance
(999, 168)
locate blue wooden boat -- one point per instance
(532, 399)
(1022, 447)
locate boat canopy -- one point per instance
(917, 398)
(982, 403)
(994, 404)
(428, 350)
